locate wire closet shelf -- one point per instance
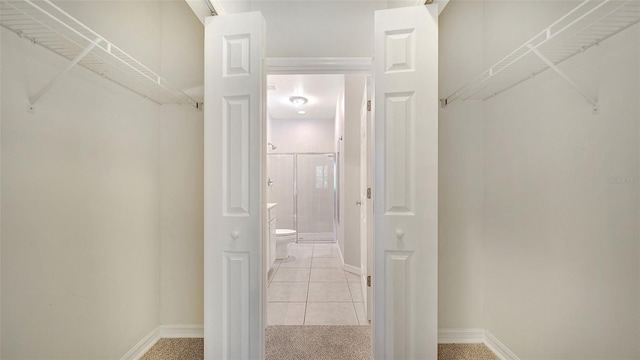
(46, 24)
(588, 24)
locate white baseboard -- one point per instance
(346, 267)
(143, 345)
(498, 348)
(476, 336)
(182, 331)
(352, 269)
(445, 336)
(163, 331)
(341, 256)
(329, 237)
(460, 336)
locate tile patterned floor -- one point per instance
(310, 288)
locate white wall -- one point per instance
(460, 172)
(315, 213)
(561, 240)
(301, 135)
(537, 243)
(102, 186)
(181, 219)
(319, 28)
(181, 172)
(354, 88)
(80, 195)
(119, 22)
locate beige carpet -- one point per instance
(465, 352)
(320, 342)
(176, 349)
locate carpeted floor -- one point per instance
(176, 349)
(465, 352)
(311, 343)
(318, 342)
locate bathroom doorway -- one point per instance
(315, 278)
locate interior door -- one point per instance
(406, 208)
(234, 193)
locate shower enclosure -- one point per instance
(303, 185)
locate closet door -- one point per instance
(406, 174)
(234, 193)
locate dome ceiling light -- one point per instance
(298, 100)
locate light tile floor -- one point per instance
(310, 288)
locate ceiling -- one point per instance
(201, 10)
(321, 90)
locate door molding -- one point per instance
(327, 65)
(318, 65)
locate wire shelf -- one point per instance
(47, 25)
(588, 24)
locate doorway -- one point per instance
(405, 123)
(317, 279)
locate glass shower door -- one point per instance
(315, 198)
(280, 171)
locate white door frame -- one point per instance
(318, 65)
(314, 66)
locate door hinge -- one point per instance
(368, 105)
(369, 281)
(368, 193)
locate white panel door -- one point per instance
(406, 201)
(234, 152)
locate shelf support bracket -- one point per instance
(592, 101)
(34, 99)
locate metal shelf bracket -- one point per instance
(552, 66)
(34, 99)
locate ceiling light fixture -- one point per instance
(302, 112)
(298, 100)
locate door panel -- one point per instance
(406, 176)
(234, 192)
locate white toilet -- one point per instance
(284, 237)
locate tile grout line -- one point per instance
(306, 303)
(353, 302)
(308, 282)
